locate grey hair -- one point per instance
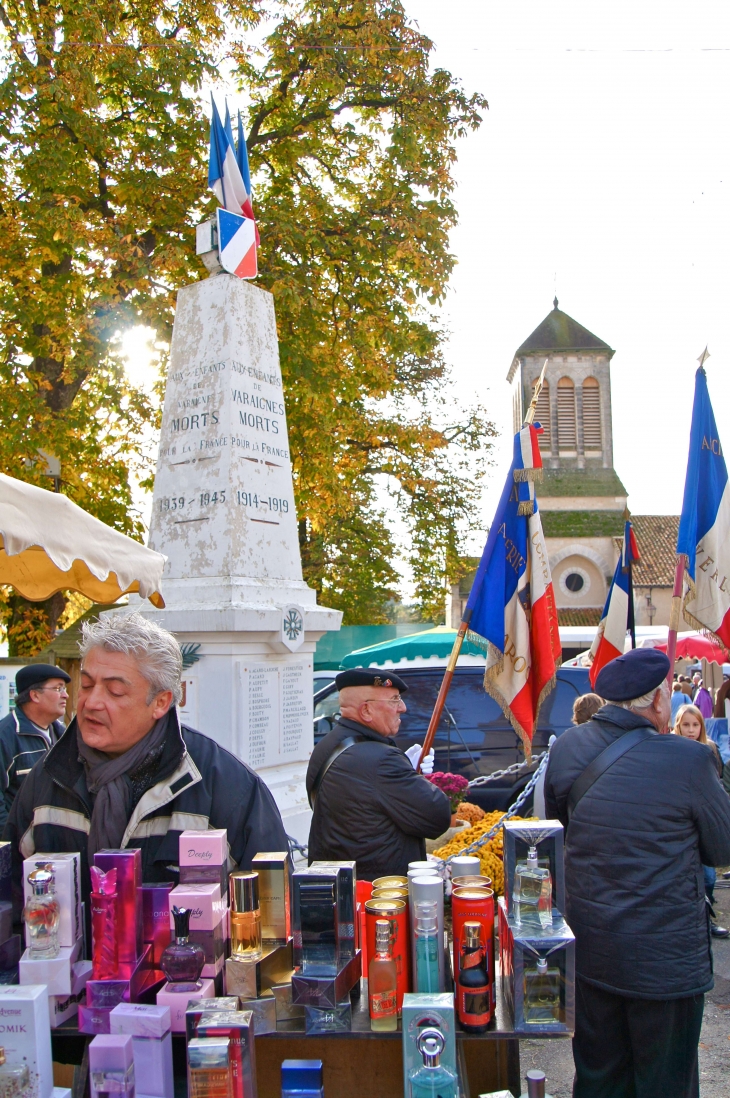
(645, 700)
(156, 650)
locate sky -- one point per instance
(601, 173)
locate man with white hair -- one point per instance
(369, 803)
(126, 774)
(643, 812)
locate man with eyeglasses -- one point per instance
(32, 728)
(369, 803)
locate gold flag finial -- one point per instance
(530, 414)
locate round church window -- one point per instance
(574, 582)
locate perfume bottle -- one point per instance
(427, 959)
(535, 1085)
(41, 914)
(533, 893)
(431, 1080)
(104, 951)
(541, 1002)
(14, 1079)
(111, 1066)
(245, 916)
(382, 979)
(473, 993)
(182, 961)
(318, 926)
(208, 1067)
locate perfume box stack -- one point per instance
(538, 974)
(261, 945)
(121, 960)
(237, 1029)
(26, 1035)
(53, 916)
(111, 1066)
(327, 964)
(156, 931)
(149, 1028)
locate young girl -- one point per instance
(689, 722)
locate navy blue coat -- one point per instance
(634, 852)
(198, 785)
(21, 747)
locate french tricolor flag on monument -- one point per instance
(511, 609)
(704, 526)
(230, 181)
(610, 639)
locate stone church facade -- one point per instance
(581, 497)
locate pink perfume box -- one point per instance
(204, 847)
(207, 906)
(128, 864)
(177, 1001)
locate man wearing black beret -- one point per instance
(31, 729)
(369, 803)
(643, 812)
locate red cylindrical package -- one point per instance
(396, 912)
(472, 904)
(363, 892)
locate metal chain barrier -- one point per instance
(511, 811)
(483, 779)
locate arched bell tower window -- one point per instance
(542, 415)
(567, 442)
(592, 415)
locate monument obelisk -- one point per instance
(224, 515)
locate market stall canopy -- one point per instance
(431, 643)
(698, 646)
(49, 544)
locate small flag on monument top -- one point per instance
(703, 544)
(229, 179)
(617, 615)
(511, 609)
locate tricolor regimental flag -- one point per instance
(610, 638)
(230, 181)
(704, 526)
(511, 610)
(237, 244)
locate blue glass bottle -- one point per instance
(427, 961)
(431, 1080)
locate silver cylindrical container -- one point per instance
(430, 889)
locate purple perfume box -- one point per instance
(149, 1028)
(205, 874)
(127, 988)
(5, 872)
(110, 1053)
(156, 918)
(128, 864)
(204, 847)
(207, 906)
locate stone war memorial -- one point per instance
(224, 516)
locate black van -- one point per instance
(474, 737)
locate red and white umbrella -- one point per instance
(698, 646)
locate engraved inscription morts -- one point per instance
(223, 502)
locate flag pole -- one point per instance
(464, 626)
(630, 576)
(675, 613)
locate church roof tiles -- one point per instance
(559, 332)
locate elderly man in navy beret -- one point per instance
(643, 812)
(32, 728)
(369, 803)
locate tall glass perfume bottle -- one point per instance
(14, 1079)
(473, 993)
(427, 960)
(245, 916)
(431, 1080)
(208, 1067)
(104, 950)
(541, 1001)
(533, 893)
(182, 961)
(41, 915)
(382, 980)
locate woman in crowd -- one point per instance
(585, 706)
(690, 723)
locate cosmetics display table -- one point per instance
(358, 1061)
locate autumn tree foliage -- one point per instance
(103, 143)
